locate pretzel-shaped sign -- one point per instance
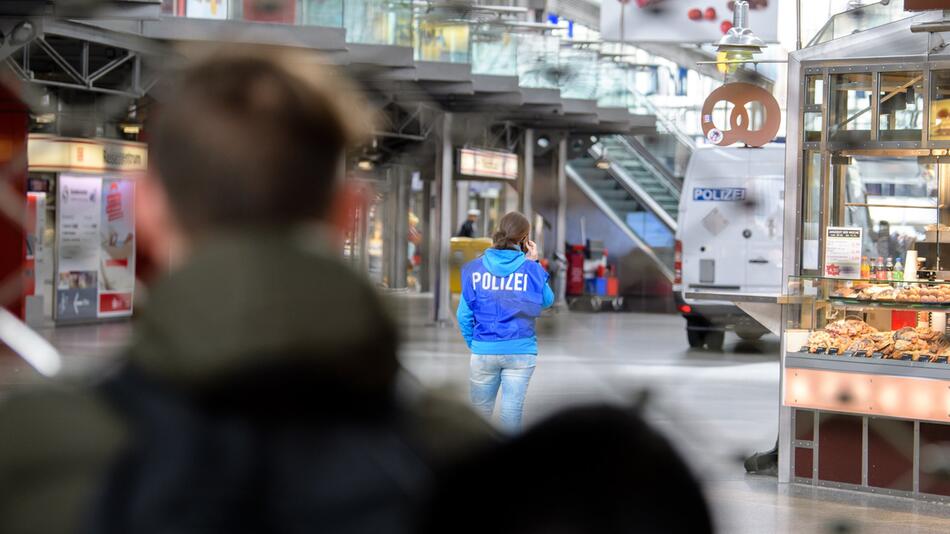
(740, 94)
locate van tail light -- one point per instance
(686, 308)
(678, 262)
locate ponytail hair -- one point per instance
(512, 231)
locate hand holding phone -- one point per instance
(531, 250)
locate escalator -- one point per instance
(627, 204)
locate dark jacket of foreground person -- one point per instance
(586, 470)
(258, 395)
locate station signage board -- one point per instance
(481, 163)
(60, 154)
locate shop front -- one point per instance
(80, 254)
(865, 373)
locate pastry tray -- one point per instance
(875, 364)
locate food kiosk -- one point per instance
(80, 253)
(865, 400)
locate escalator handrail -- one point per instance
(620, 174)
(647, 158)
(670, 125)
(620, 223)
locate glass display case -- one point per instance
(865, 391)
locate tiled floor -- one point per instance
(716, 407)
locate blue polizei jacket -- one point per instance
(502, 295)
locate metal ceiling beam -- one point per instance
(83, 31)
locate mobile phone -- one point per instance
(524, 246)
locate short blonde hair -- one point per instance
(252, 138)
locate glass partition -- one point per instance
(860, 19)
(849, 115)
(494, 50)
(940, 105)
(538, 61)
(811, 210)
(579, 73)
(383, 22)
(893, 199)
(328, 13)
(614, 88)
(440, 39)
(901, 105)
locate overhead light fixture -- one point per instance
(740, 43)
(544, 141)
(22, 33)
(131, 129)
(365, 164)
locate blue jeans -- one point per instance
(510, 371)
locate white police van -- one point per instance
(729, 237)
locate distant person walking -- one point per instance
(468, 227)
(503, 292)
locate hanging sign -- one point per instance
(843, 252)
(52, 154)
(739, 95)
(488, 163)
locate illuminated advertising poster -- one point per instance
(77, 228)
(207, 9)
(116, 277)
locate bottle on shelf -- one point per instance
(865, 268)
(889, 269)
(898, 273)
(881, 273)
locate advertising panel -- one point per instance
(682, 21)
(77, 229)
(117, 254)
(96, 248)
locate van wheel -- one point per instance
(696, 338)
(715, 339)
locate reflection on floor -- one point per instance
(716, 407)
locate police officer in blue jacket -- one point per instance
(503, 292)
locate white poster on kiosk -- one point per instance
(116, 277)
(77, 230)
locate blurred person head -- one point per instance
(513, 230)
(586, 470)
(248, 140)
(473, 215)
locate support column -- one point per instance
(527, 184)
(461, 203)
(443, 223)
(401, 185)
(561, 231)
